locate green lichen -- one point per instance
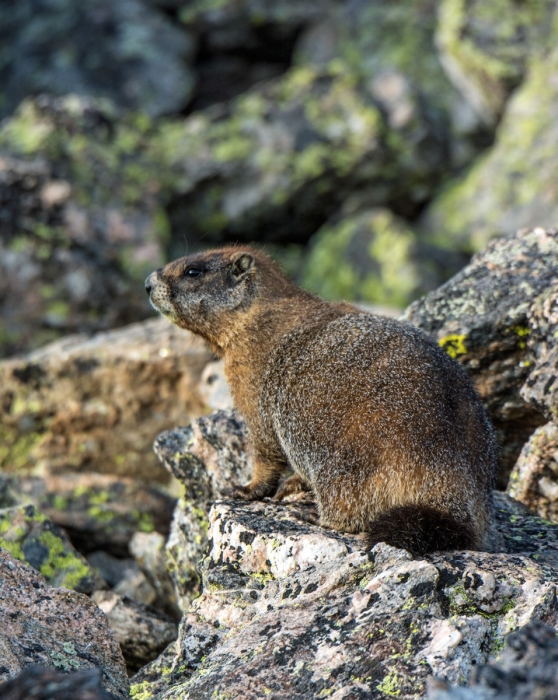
(62, 564)
(64, 663)
(390, 685)
(16, 449)
(453, 344)
(367, 257)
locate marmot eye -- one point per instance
(193, 272)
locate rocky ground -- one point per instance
(168, 586)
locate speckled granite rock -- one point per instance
(32, 538)
(96, 404)
(288, 608)
(207, 458)
(526, 670)
(142, 631)
(482, 318)
(534, 479)
(43, 683)
(53, 627)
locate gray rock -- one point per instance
(482, 318)
(526, 670)
(54, 627)
(148, 550)
(142, 631)
(207, 458)
(126, 51)
(43, 683)
(292, 609)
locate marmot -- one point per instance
(370, 413)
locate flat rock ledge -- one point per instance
(289, 609)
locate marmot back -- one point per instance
(371, 415)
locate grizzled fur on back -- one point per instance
(370, 414)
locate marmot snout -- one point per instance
(369, 413)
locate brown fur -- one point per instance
(370, 413)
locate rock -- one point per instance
(95, 404)
(99, 511)
(142, 632)
(512, 185)
(527, 668)
(485, 49)
(374, 256)
(288, 608)
(277, 162)
(148, 549)
(540, 390)
(534, 479)
(213, 388)
(110, 568)
(207, 458)
(43, 683)
(32, 538)
(482, 318)
(136, 587)
(70, 225)
(54, 627)
(127, 51)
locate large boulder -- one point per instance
(127, 51)
(79, 226)
(485, 47)
(376, 257)
(513, 184)
(482, 318)
(96, 404)
(289, 608)
(54, 627)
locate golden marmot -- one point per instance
(370, 413)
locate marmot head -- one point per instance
(210, 293)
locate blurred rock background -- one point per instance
(371, 147)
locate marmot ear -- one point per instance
(242, 264)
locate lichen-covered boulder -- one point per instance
(282, 157)
(80, 224)
(28, 535)
(485, 47)
(54, 627)
(513, 184)
(128, 51)
(96, 404)
(99, 511)
(527, 668)
(207, 458)
(290, 608)
(482, 318)
(374, 256)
